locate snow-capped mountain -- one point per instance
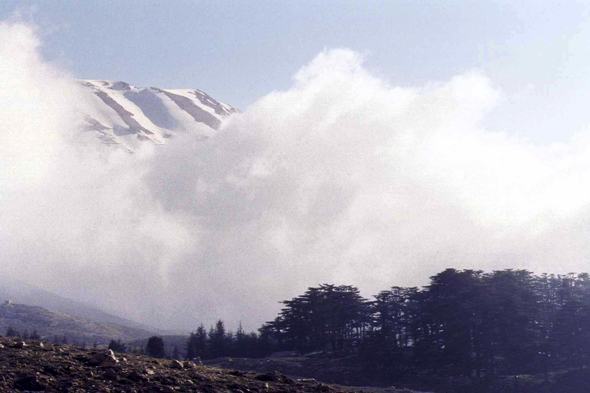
(121, 114)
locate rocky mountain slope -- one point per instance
(124, 115)
(50, 323)
(35, 366)
(19, 292)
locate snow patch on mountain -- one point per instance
(123, 115)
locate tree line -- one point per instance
(465, 322)
(12, 332)
(219, 342)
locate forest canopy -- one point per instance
(465, 323)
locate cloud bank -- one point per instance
(343, 178)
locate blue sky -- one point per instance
(536, 52)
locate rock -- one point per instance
(106, 358)
(189, 364)
(149, 371)
(1, 346)
(176, 364)
(19, 344)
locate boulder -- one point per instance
(176, 364)
(106, 358)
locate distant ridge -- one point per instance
(19, 292)
(51, 323)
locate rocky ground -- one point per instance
(325, 367)
(39, 366)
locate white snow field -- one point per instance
(123, 115)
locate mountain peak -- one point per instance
(124, 115)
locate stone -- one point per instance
(106, 358)
(176, 364)
(149, 371)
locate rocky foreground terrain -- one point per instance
(39, 366)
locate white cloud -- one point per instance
(342, 178)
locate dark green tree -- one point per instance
(218, 340)
(176, 353)
(325, 317)
(512, 333)
(155, 347)
(35, 335)
(241, 347)
(190, 347)
(11, 332)
(570, 334)
(451, 320)
(117, 346)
